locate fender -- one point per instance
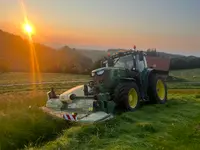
(163, 74)
(132, 80)
(128, 79)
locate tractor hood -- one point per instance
(100, 71)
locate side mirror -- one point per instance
(110, 62)
(141, 58)
(102, 64)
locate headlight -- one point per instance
(100, 72)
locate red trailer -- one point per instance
(160, 64)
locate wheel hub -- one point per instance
(132, 98)
(160, 88)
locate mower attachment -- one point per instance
(73, 105)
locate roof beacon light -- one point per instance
(134, 47)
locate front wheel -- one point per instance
(127, 96)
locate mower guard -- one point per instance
(78, 110)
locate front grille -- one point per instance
(102, 78)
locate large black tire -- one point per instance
(157, 90)
(123, 99)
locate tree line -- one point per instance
(15, 55)
(177, 62)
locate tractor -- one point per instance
(123, 82)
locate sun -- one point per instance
(28, 28)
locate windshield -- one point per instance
(122, 62)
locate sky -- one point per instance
(167, 25)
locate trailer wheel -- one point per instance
(157, 90)
(127, 96)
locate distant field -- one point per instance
(22, 82)
(191, 79)
(188, 74)
(19, 77)
(184, 85)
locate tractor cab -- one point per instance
(130, 60)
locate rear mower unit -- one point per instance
(122, 83)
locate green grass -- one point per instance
(173, 126)
(59, 87)
(21, 121)
(192, 76)
(152, 127)
(21, 77)
(187, 74)
(183, 85)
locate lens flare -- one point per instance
(28, 28)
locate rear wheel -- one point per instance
(157, 90)
(127, 96)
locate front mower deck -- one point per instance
(83, 117)
(62, 107)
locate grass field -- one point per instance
(188, 74)
(191, 79)
(22, 82)
(22, 124)
(174, 126)
(18, 77)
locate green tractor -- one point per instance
(123, 82)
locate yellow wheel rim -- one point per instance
(132, 98)
(160, 88)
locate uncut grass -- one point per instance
(22, 123)
(175, 125)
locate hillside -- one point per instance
(93, 54)
(15, 56)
